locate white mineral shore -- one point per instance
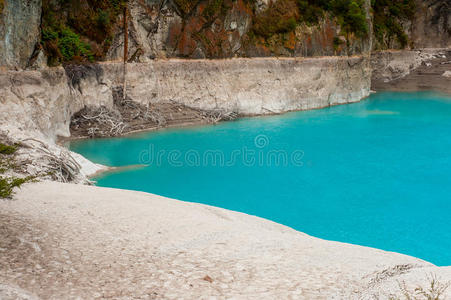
(60, 241)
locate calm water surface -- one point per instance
(375, 173)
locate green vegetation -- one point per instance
(83, 30)
(2, 6)
(280, 17)
(337, 43)
(186, 6)
(7, 184)
(78, 30)
(69, 45)
(351, 16)
(388, 15)
(214, 8)
(283, 16)
(7, 149)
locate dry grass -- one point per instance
(434, 291)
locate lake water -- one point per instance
(374, 173)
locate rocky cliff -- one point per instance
(431, 27)
(239, 28)
(78, 31)
(20, 23)
(413, 24)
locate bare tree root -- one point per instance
(61, 167)
(216, 116)
(102, 121)
(128, 115)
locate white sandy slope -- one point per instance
(62, 241)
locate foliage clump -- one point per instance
(78, 30)
(8, 183)
(280, 17)
(388, 18)
(7, 149)
(186, 6)
(283, 16)
(66, 45)
(351, 16)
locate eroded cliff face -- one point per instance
(431, 27)
(251, 86)
(201, 29)
(79, 31)
(43, 102)
(165, 29)
(415, 25)
(20, 31)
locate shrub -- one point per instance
(70, 45)
(280, 17)
(49, 34)
(388, 15)
(186, 5)
(8, 184)
(103, 18)
(213, 8)
(351, 16)
(337, 43)
(7, 149)
(311, 11)
(67, 25)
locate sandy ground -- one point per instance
(63, 241)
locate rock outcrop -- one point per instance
(164, 29)
(42, 102)
(431, 27)
(20, 32)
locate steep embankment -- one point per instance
(44, 101)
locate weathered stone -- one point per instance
(20, 30)
(44, 101)
(431, 26)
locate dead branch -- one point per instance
(63, 167)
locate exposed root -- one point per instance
(128, 115)
(102, 121)
(61, 167)
(218, 115)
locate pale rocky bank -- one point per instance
(41, 103)
(65, 241)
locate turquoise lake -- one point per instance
(375, 173)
